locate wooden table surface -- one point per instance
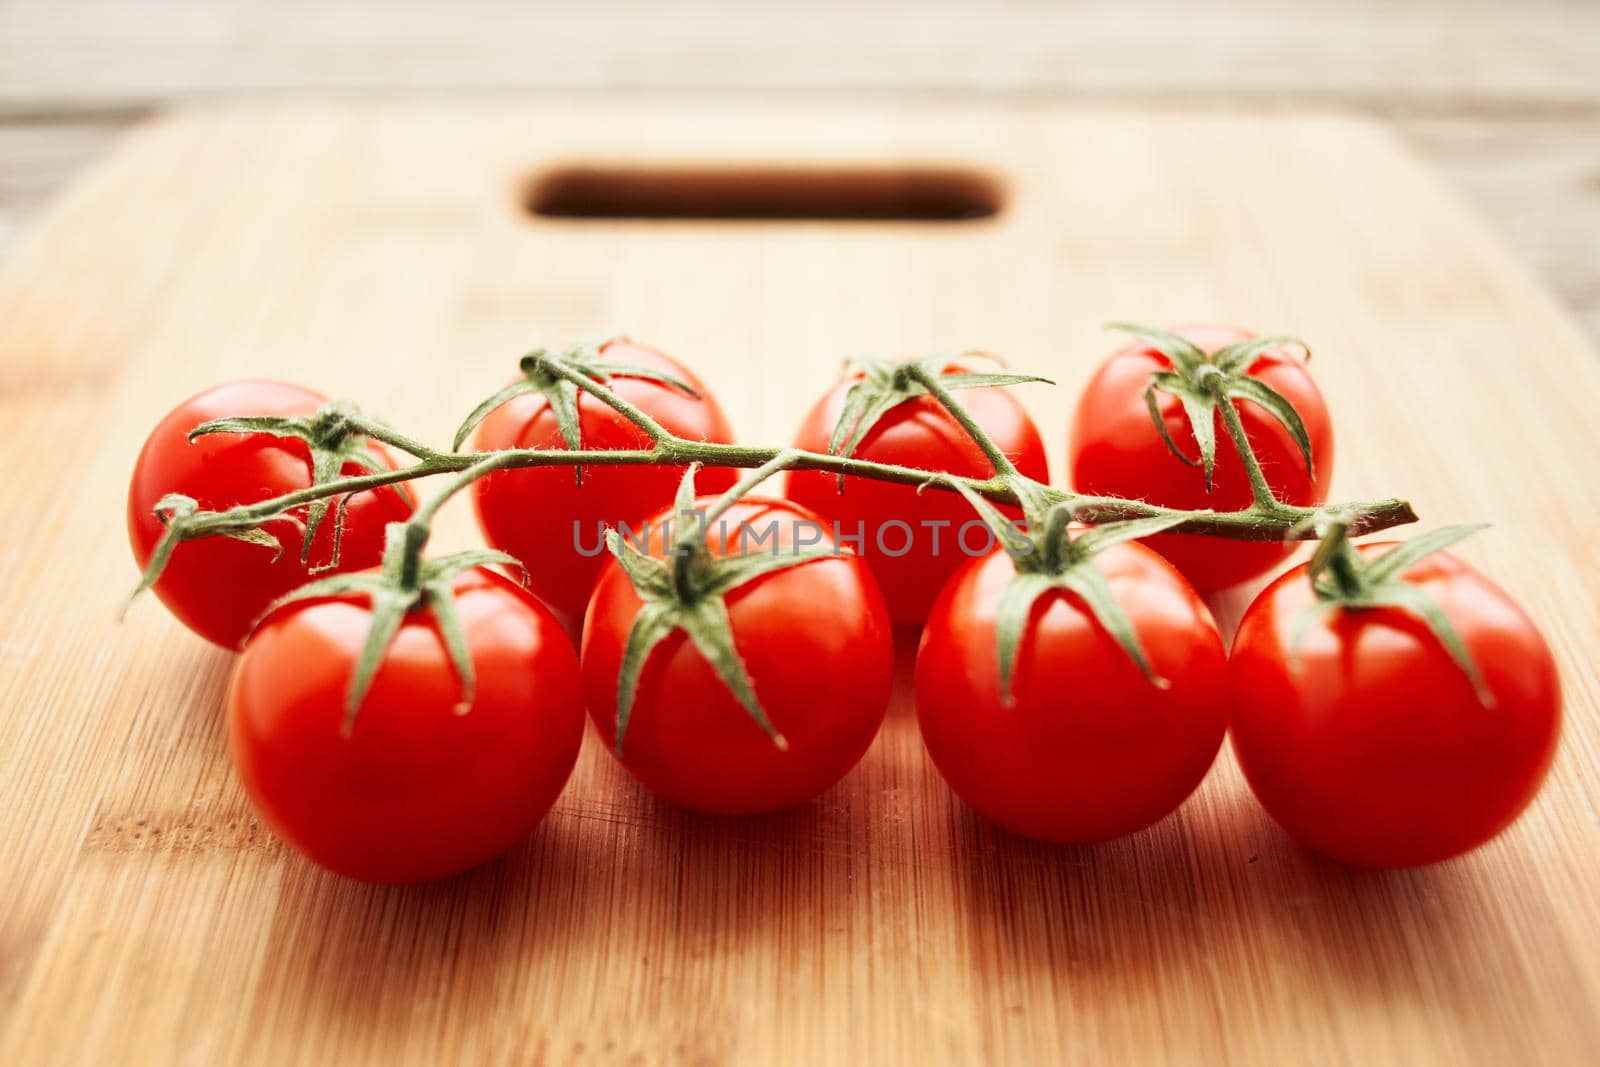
(1503, 98)
(157, 945)
(147, 917)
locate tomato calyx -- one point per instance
(886, 384)
(688, 591)
(402, 584)
(1048, 557)
(182, 520)
(333, 438)
(552, 376)
(1346, 580)
(1201, 381)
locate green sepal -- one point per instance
(172, 510)
(866, 402)
(1277, 405)
(332, 444)
(438, 597)
(562, 394)
(605, 370)
(649, 576)
(1413, 601)
(730, 572)
(1011, 622)
(341, 509)
(1089, 582)
(389, 606)
(1097, 539)
(1185, 355)
(683, 499)
(257, 536)
(1200, 382)
(271, 425)
(884, 386)
(688, 594)
(708, 626)
(1238, 357)
(180, 515)
(976, 380)
(520, 387)
(1391, 563)
(389, 601)
(1199, 407)
(327, 465)
(656, 621)
(1017, 544)
(1343, 579)
(1052, 558)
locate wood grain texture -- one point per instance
(378, 253)
(1536, 178)
(1503, 98)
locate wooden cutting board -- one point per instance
(384, 253)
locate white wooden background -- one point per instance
(1504, 97)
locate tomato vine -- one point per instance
(560, 377)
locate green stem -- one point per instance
(782, 461)
(690, 550)
(1260, 491)
(1343, 565)
(1057, 519)
(388, 435)
(1003, 467)
(1266, 519)
(1248, 524)
(632, 412)
(415, 540)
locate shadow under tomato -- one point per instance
(1448, 941)
(1216, 903)
(387, 961)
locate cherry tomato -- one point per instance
(553, 524)
(418, 789)
(1116, 450)
(218, 586)
(1090, 749)
(816, 642)
(913, 540)
(1368, 742)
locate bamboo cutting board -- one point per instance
(383, 252)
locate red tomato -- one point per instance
(816, 642)
(417, 790)
(1090, 750)
(218, 586)
(543, 516)
(1369, 744)
(910, 539)
(1116, 450)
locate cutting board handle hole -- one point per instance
(851, 193)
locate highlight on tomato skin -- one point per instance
(554, 524)
(1368, 743)
(1089, 750)
(921, 434)
(819, 650)
(1116, 450)
(1366, 740)
(217, 586)
(418, 789)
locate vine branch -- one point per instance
(1266, 519)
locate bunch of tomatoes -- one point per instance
(1403, 720)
